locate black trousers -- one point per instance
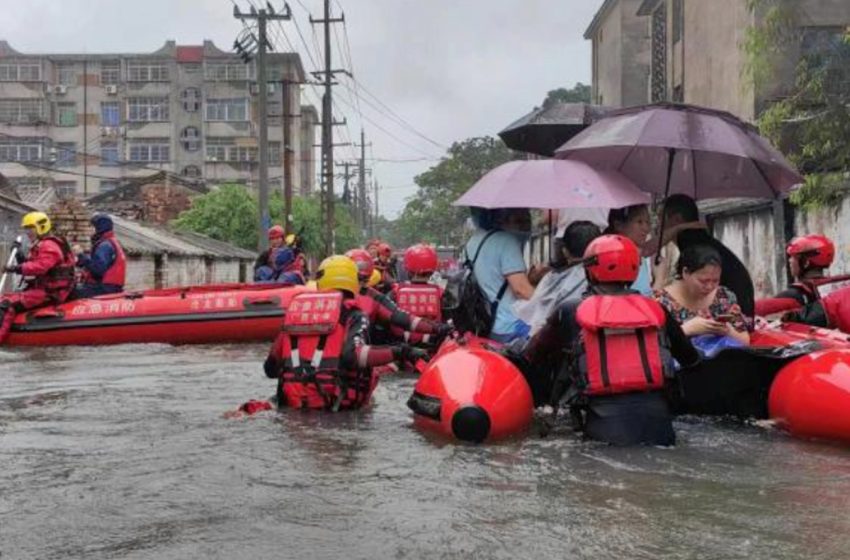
(630, 419)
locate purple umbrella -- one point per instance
(670, 148)
(550, 183)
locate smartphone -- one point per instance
(725, 318)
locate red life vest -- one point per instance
(313, 338)
(59, 280)
(621, 344)
(422, 300)
(116, 274)
(836, 305)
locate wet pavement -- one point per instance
(123, 452)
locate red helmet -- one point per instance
(420, 259)
(276, 232)
(612, 258)
(818, 250)
(364, 262)
(384, 250)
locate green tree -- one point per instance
(579, 93)
(811, 122)
(230, 213)
(429, 214)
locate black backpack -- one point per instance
(465, 303)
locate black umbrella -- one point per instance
(543, 131)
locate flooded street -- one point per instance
(122, 452)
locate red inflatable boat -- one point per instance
(471, 393)
(191, 315)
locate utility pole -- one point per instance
(375, 216)
(363, 214)
(286, 116)
(85, 128)
(262, 17)
(327, 127)
(346, 175)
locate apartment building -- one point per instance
(83, 124)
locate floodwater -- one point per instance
(122, 452)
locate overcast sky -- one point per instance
(451, 68)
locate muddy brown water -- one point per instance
(122, 452)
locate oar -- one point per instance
(15, 248)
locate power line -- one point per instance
(397, 116)
(396, 138)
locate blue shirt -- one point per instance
(500, 256)
(643, 283)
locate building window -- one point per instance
(229, 71)
(107, 186)
(66, 114)
(21, 111)
(150, 150)
(191, 171)
(274, 153)
(147, 109)
(218, 148)
(678, 20)
(227, 109)
(21, 149)
(191, 99)
(659, 54)
(110, 72)
(190, 139)
(65, 189)
(66, 154)
(229, 151)
(66, 74)
(109, 153)
(110, 113)
(147, 72)
(20, 72)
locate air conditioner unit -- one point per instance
(60, 89)
(112, 90)
(271, 88)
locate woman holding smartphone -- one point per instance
(698, 301)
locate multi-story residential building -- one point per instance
(82, 124)
(692, 51)
(620, 54)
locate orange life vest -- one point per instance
(620, 336)
(422, 300)
(311, 373)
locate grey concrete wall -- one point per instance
(834, 222)
(607, 45)
(140, 273)
(751, 237)
(713, 60)
(636, 52)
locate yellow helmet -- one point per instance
(338, 273)
(290, 240)
(38, 221)
(375, 278)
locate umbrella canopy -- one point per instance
(671, 148)
(542, 131)
(549, 183)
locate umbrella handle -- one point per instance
(671, 155)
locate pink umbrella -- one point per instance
(670, 148)
(549, 183)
